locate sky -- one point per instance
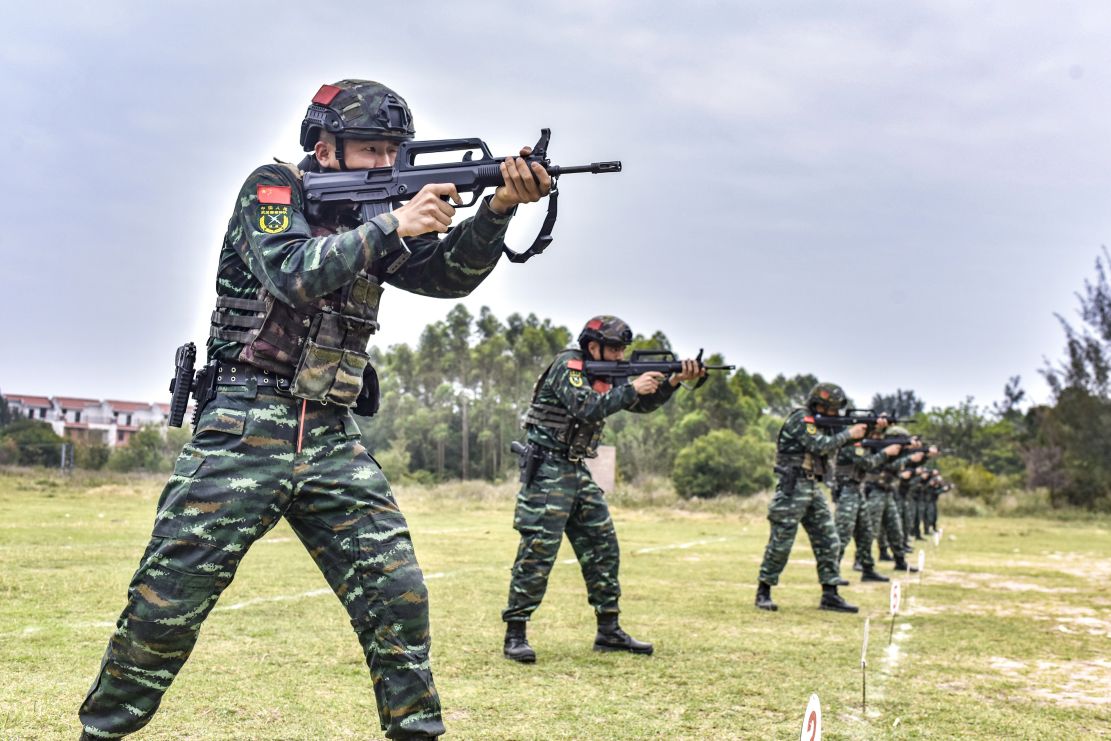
(887, 195)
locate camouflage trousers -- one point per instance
(886, 523)
(563, 498)
(854, 521)
(806, 505)
(240, 473)
(929, 516)
(913, 520)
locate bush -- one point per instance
(34, 442)
(975, 481)
(90, 455)
(146, 451)
(723, 462)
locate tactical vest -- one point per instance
(322, 347)
(581, 438)
(790, 454)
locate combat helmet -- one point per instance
(358, 109)
(605, 330)
(829, 394)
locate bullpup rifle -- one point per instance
(619, 372)
(376, 191)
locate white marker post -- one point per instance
(864, 669)
(896, 595)
(812, 720)
(921, 564)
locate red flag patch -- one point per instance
(275, 194)
(326, 94)
(594, 324)
(575, 364)
(602, 386)
(809, 420)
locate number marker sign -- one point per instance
(812, 721)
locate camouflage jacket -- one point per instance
(802, 445)
(271, 244)
(587, 401)
(854, 462)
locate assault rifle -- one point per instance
(619, 372)
(376, 191)
(858, 416)
(874, 444)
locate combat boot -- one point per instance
(873, 575)
(884, 555)
(610, 637)
(516, 645)
(857, 566)
(764, 598)
(831, 600)
(902, 565)
(842, 581)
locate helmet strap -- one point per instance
(339, 154)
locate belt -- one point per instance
(241, 374)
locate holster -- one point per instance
(204, 389)
(366, 403)
(789, 475)
(529, 457)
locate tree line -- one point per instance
(453, 401)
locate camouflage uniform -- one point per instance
(880, 487)
(562, 496)
(258, 454)
(853, 462)
(801, 462)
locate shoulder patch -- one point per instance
(859, 449)
(276, 194)
(273, 219)
(575, 364)
(812, 428)
(575, 378)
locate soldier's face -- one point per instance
(613, 352)
(358, 154)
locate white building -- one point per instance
(111, 422)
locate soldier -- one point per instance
(802, 460)
(852, 464)
(558, 494)
(880, 487)
(297, 302)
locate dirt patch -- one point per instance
(981, 580)
(1063, 683)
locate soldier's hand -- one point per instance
(857, 432)
(882, 422)
(691, 369)
(933, 451)
(428, 211)
(905, 475)
(647, 383)
(524, 183)
(917, 457)
(892, 450)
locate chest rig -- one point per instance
(790, 453)
(321, 347)
(581, 438)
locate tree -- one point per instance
(1087, 363)
(35, 441)
(901, 404)
(723, 462)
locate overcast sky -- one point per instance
(883, 194)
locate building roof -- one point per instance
(72, 402)
(129, 406)
(28, 401)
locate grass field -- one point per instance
(1006, 636)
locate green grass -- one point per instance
(1007, 636)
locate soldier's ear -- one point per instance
(322, 151)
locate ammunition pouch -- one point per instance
(581, 438)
